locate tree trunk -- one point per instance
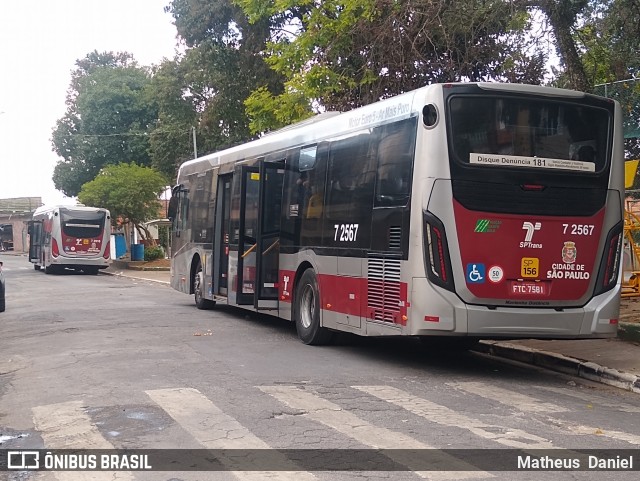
(562, 16)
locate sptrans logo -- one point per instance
(530, 227)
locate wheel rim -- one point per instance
(197, 284)
(307, 306)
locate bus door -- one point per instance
(247, 235)
(221, 239)
(268, 235)
(34, 229)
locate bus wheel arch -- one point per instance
(306, 310)
(197, 287)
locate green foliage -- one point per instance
(343, 54)
(153, 252)
(270, 111)
(171, 142)
(107, 120)
(223, 65)
(129, 191)
(164, 236)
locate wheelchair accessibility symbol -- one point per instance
(476, 273)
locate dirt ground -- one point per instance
(157, 263)
(630, 310)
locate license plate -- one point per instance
(529, 288)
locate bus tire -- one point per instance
(36, 267)
(198, 290)
(307, 311)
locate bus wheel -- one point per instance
(307, 311)
(198, 290)
(36, 267)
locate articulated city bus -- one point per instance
(70, 237)
(461, 211)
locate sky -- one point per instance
(40, 41)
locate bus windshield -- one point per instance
(518, 132)
(82, 224)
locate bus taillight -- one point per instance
(107, 250)
(437, 260)
(55, 250)
(610, 263)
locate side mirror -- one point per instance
(173, 208)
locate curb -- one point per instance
(141, 268)
(560, 363)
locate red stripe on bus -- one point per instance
(355, 296)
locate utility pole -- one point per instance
(195, 148)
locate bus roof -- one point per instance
(335, 123)
(309, 131)
(48, 208)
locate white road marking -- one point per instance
(514, 438)
(214, 429)
(520, 401)
(530, 404)
(619, 406)
(333, 416)
(67, 426)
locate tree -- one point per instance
(170, 142)
(107, 120)
(345, 54)
(222, 65)
(129, 191)
(563, 16)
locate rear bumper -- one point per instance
(597, 319)
(99, 262)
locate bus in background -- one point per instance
(454, 212)
(72, 237)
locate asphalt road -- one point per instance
(102, 362)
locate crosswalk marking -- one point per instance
(330, 414)
(514, 438)
(594, 431)
(214, 429)
(67, 426)
(531, 404)
(504, 396)
(618, 406)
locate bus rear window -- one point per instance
(517, 132)
(82, 224)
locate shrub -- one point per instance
(152, 253)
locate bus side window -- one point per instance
(395, 162)
(350, 186)
(180, 210)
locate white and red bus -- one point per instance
(70, 237)
(462, 211)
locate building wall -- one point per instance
(17, 211)
(19, 224)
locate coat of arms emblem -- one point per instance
(569, 252)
